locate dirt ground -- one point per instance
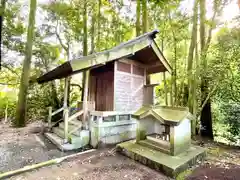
(26, 146)
(222, 163)
(99, 165)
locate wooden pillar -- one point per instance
(49, 117)
(148, 81)
(85, 99)
(65, 111)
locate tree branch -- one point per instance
(207, 98)
(9, 68)
(59, 39)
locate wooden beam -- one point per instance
(49, 116)
(65, 111)
(114, 85)
(85, 99)
(160, 56)
(134, 62)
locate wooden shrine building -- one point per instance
(117, 81)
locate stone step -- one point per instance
(75, 122)
(72, 126)
(152, 145)
(58, 141)
(83, 137)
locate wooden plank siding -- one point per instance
(119, 86)
(102, 87)
(129, 83)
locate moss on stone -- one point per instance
(141, 134)
(184, 174)
(169, 165)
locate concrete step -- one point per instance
(73, 139)
(153, 145)
(72, 126)
(58, 141)
(75, 122)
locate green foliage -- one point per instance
(231, 113)
(7, 102)
(12, 32)
(62, 30)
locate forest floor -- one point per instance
(25, 146)
(222, 163)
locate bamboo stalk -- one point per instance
(42, 164)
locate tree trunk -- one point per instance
(174, 76)
(93, 28)
(22, 96)
(85, 48)
(206, 114)
(3, 5)
(190, 56)
(144, 16)
(196, 81)
(99, 24)
(138, 13)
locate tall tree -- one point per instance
(190, 55)
(85, 46)
(206, 114)
(93, 29)
(144, 16)
(191, 88)
(99, 24)
(22, 96)
(3, 4)
(138, 14)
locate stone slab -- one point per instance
(59, 142)
(167, 164)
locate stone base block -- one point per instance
(167, 164)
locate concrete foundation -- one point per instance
(167, 164)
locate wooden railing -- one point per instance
(74, 116)
(51, 114)
(67, 118)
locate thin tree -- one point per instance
(93, 27)
(144, 16)
(190, 55)
(22, 96)
(99, 24)
(191, 95)
(3, 5)
(206, 114)
(138, 23)
(85, 47)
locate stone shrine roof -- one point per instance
(165, 114)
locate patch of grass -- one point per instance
(184, 174)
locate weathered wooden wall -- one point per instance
(129, 83)
(101, 87)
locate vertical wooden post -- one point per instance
(65, 111)
(85, 99)
(49, 117)
(114, 85)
